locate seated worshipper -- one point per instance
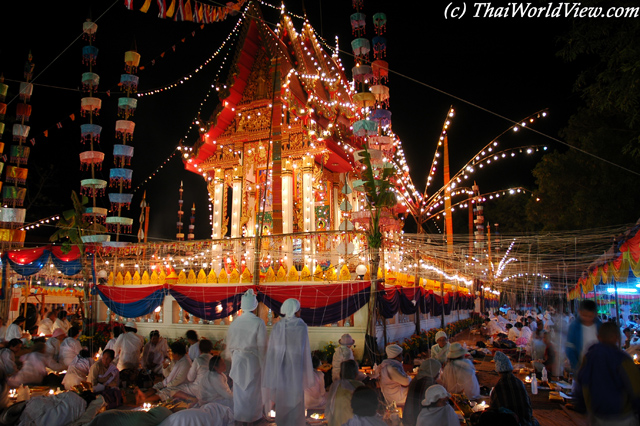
(8, 357)
(440, 350)
(116, 331)
(343, 353)
(197, 375)
(436, 409)
(315, 397)
(364, 403)
(62, 409)
(155, 352)
(14, 331)
(70, 347)
(194, 350)
(62, 322)
(214, 387)
(548, 355)
(525, 331)
(211, 414)
(608, 381)
(459, 375)
(510, 392)
(427, 376)
(128, 347)
(394, 382)
(175, 375)
(34, 367)
(153, 417)
(54, 342)
(46, 325)
(338, 409)
(491, 328)
(78, 370)
(104, 379)
(512, 333)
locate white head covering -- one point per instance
(440, 334)
(249, 301)
(131, 324)
(290, 307)
(393, 351)
(434, 393)
(347, 340)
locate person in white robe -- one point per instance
(440, 350)
(8, 357)
(288, 369)
(211, 414)
(15, 330)
(34, 367)
(197, 375)
(70, 347)
(364, 403)
(78, 370)
(394, 381)
(514, 333)
(343, 353)
(525, 331)
(338, 410)
(491, 328)
(115, 333)
(62, 322)
(56, 410)
(155, 352)
(436, 408)
(46, 325)
(459, 375)
(175, 374)
(246, 347)
(194, 350)
(213, 387)
(128, 347)
(315, 397)
(53, 343)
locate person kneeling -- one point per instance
(436, 408)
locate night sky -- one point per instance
(505, 66)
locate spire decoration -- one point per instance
(179, 224)
(192, 225)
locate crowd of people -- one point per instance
(257, 379)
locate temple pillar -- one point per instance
(236, 204)
(218, 207)
(287, 210)
(308, 210)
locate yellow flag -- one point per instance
(145, 6)
(171, 9)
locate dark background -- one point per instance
(506, 66)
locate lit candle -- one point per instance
(272, 414)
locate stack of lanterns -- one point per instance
(179, 223)
(120, 176)
(13, 196)
(91, 160)
(3, 110)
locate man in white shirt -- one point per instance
(53, 343)
(394, 382)
(175, 374)
(70, 347)
(46, 325)
(155, 352)
(8, 357)
(128, 347)
(194, 350)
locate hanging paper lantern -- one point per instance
(26, 90)
(90, 81)
(23, 112)
(124, 129)
(382, 142)
(92, 187)
(89, 158)
(119, 176)
(361, 47)
(1, 132)
(89, 55)
(381, 93)
(119, 200)
(361, 73)
(358, 23)
(3, 110)
(13, 195)
(365, 128)
(379, 47)
(122, 153)
(90, 105)
(3, 89)
(90, 132)
(20, 131)
(17, 175)
(10, 215)
(89, 30)
(364, 99)
(379, 23)
(131, 61)
(382, 116)
(380, 71)
(98, 214)
(19, 154)
(127, 106)
(124, 223)
(129, 82)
